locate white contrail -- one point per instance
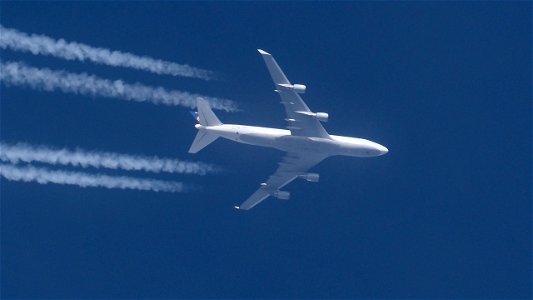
(44, 176)
(43, 45)
(15, 73)
(22, 152)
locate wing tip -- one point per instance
(263, 52)
(237, 207)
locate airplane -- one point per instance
(305, 140)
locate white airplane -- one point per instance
(305, 140)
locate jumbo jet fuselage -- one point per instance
(282, 139)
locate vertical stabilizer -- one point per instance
(205, 114)
(206, 118)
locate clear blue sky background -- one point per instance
(447, 213)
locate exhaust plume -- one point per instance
(43, 45)
(44, 176)
(22, 152)
(19, 74)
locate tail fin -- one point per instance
(206, 117)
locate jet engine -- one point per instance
(298, 88)
(282, 195)
(311, 177)
(322, 116)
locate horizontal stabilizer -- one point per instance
(202, 139)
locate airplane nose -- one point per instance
(382, 150)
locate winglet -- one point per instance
(275, 71)
(237, 208)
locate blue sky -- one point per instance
(446, 213)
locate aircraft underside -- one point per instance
(305, 140)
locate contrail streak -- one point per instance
(19, 74)
(22, 152)
(43, 45)
(44, 176)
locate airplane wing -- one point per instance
(291, 166)
(301, 119)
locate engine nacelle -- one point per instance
(282, 195)
(311, 177)
(322, 116)
(298, 88)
